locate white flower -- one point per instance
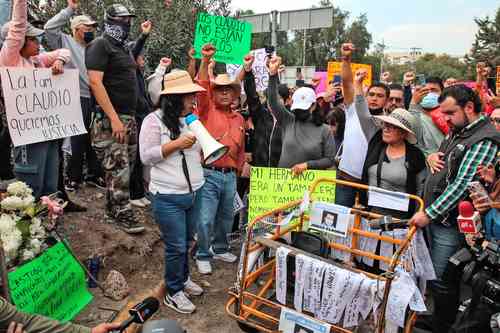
(12, 203)
(27, 255)
(28, 201)
(19, 189)
(11, 243)
(36, 228)
(7, 223)
(35, 246)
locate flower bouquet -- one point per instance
(25, 225)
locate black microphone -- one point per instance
(385, 223)
(140, 313)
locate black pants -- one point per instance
(137, 190)
(81, 147)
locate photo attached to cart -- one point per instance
(330, 218)
(295, 322)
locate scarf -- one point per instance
(117, 30)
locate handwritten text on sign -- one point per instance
(41, 106)
(52, 285)
(231, 38)
(335, 68)
(259, 69)
(271, 188)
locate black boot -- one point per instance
(445, 310)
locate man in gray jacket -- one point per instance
(83, 32)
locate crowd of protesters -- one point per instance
(429, 139)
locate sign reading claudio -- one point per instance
(41, 106)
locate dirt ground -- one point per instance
(140, 260)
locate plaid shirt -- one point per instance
(481, 153)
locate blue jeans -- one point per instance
(174, 215)
(37, 165)
(214, 209)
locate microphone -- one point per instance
(469, 220)
(386, 223)
(140, 313)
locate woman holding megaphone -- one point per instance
(169, 147)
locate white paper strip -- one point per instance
(281, 274)
(378, 197)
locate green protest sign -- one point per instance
(272, 188)
(231, 38)
(52, 285)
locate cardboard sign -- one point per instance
(51, 285)
(296, 322)
(335, 68)
(41, 106)
(498, 80)
(271, 188)
(231, 38)
(259, 69)
(323, 83)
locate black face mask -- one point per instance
(377, 112)
(88, 36)
(301, 115)
(117, 30)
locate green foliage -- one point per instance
(173, 25)
(486, 46)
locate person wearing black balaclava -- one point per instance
(308, 142)
(112, 75)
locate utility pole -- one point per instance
(274, 28)
(304, 49)
(413, 54)
(382, 58)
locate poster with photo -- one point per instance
(295, 322)
(331, 218)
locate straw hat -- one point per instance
(225, 80)
(179, 82)
(401, 119)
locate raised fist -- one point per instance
(208, 51)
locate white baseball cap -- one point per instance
(303, 98)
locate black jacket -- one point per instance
(266, 140)
(415, 163)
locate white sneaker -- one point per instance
(146, 201)
(226, 257)
(192, 289)
(137, 203)
(180, 303)
(204, 266)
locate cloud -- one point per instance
(452, 38)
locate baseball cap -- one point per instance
(31, 31)
(303, 98)
(82, 20)
(118, 10)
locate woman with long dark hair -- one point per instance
(170, 149)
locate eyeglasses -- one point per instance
(495, 120)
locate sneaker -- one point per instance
(72, 186)
(204, 266)
(226, 257)
(180, 303)
(127, 222)
(137, 203)
(192, 289)
(72, 207)
(146, 201)
(97, 182)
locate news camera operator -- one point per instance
(15, 321)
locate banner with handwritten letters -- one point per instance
(335, 68)
(259, 69)
(271, 188)
(231, 38)
(51, 285)
(41, 106)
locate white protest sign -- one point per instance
(41, 106)
(295, 322)
(259, 69)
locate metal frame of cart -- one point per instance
(256, 312)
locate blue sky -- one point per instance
(442, 26)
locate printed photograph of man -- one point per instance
(301, 329)
(329, 219)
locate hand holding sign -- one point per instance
(208, 51)
(57, 67)
(408, 78)
(360, 75)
